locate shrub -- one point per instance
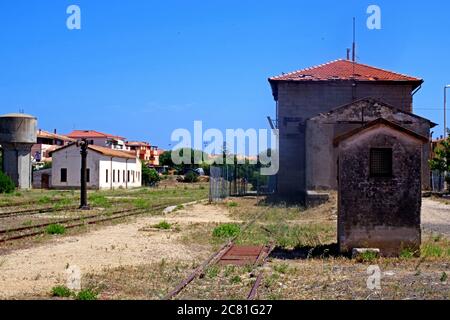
(149, 176)
(232, 204)
(6, 184)
(86, 294)
(61, 291)
(191, 177)
(55, 229)
(163, 225)
(227, 230)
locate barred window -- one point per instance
(381, 162)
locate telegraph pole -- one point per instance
(83, 144)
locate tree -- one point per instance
(165, 159)
(441, 161)
(149, 176)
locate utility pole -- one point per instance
(445, 110)
(83, 144)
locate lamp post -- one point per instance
(83, 144)
(445, 110)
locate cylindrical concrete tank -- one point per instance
(17, 136)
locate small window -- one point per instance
(124, 180)
(88, 175)
(114, 175)
(63, 174)
(128, 176)
(118, 175)
(381, 162)
(107, 175)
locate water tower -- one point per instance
(17, 136)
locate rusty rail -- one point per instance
(214, 257)
(261, 261)
(27, 212)
(79, 221)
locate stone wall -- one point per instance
(376, 212)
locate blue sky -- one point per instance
(143, 68)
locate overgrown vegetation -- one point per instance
(164, 225)
(441, 160)
(61, 292)
(87, 294)
(227, 230)
(149, 176)
(99, 200)
(191, 177)
(55, 229)
(6, 184)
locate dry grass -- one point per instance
(305, 264)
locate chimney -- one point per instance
(54, 131)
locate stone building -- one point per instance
(379, 184)
(320, 155)
(306, 94)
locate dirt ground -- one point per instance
(34, 271)
(138, 261)
(436, 216)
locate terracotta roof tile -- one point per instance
(343, 70)
(79, 134)
(103, 150)
(48, 135)
(113, 153)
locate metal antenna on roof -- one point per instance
(354, 40)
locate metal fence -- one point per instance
(234, 181)
(437, 181)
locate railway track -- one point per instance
(218, 255)
(34, 211)
(38, 229)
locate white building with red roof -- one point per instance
(100, 139)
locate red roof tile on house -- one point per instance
(48, 135)
(79, 134)
(344, 70)
(137, 144)
(102, 150)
